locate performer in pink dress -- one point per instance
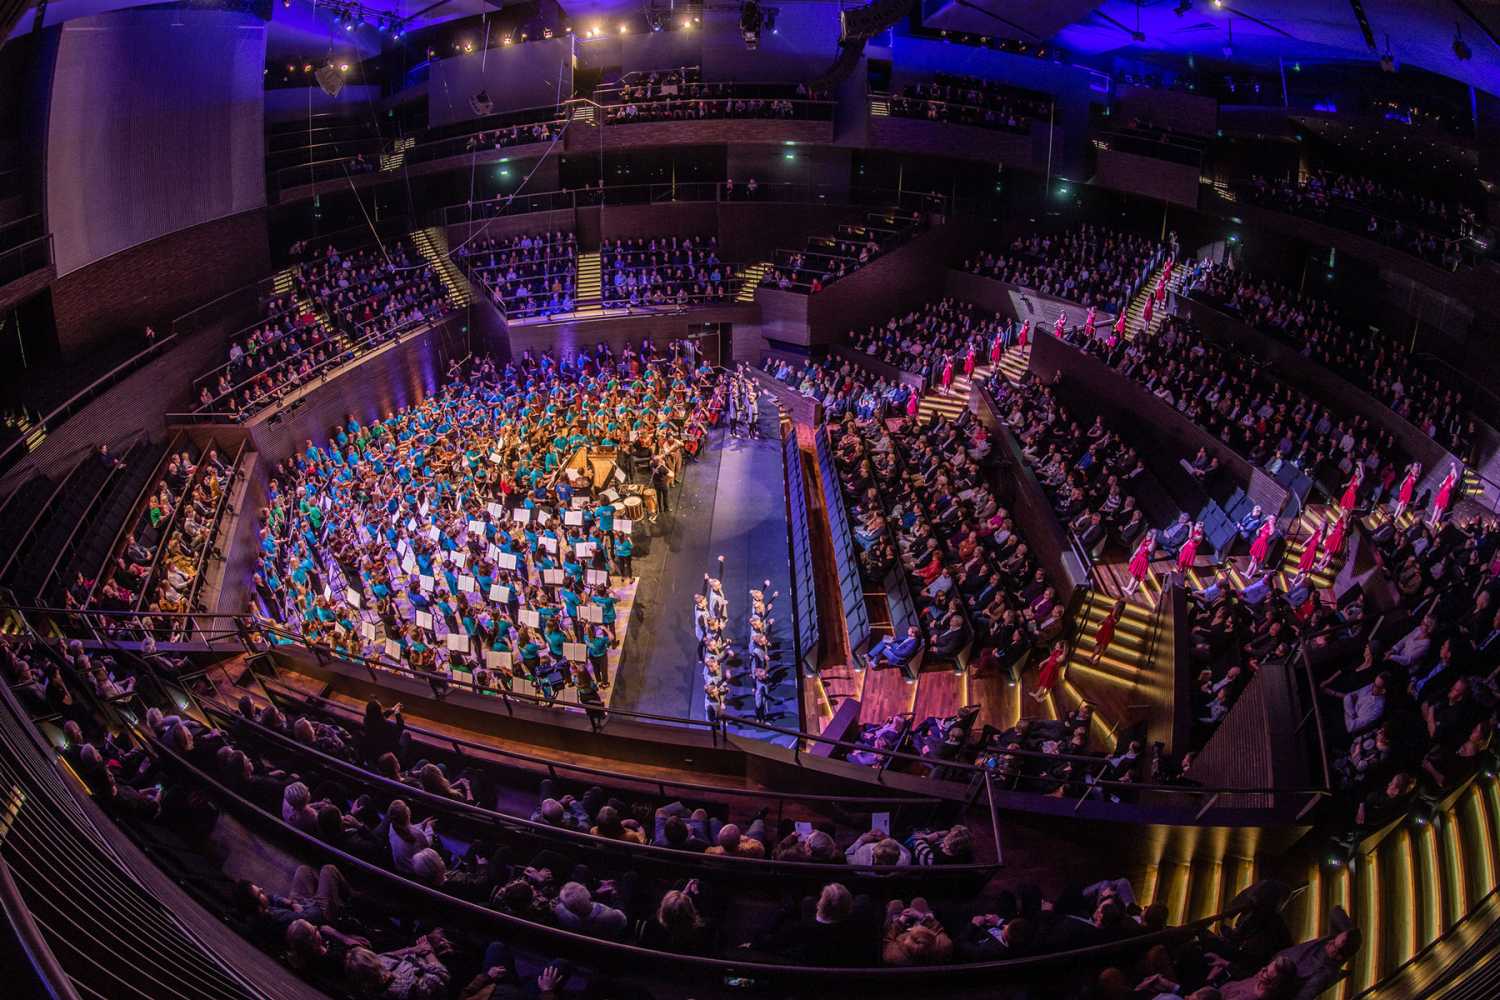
(969, 363)
(1333, 544)
(913, 403)
(1351, 492)
(1261, 547)
(947, 373)
(1188, 554)
(1444, 495)
(1140, 563)
(1408, 490)
(997, 348)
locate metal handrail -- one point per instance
(583, 837)
(61, 413)
(243, 624)
(583, 944)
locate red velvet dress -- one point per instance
(1261, 547)
(1141, 561)
(1051, 670)
(1310, 552)
(1188, 554)
(997, 349)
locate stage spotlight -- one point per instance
(286, 3)
(624, 29)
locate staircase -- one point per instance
(284, 283)
(1199, 886)
(1135, 313)
(880, 107)
(584, 113)
(432, 243)
(750, 280)
(1118, 680)
(953, 402)
(397, 156)
(590, 288)
(1300, 533)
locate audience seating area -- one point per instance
(947, 333)
(826, 259)
(528, 275)
(967, 100)
(682, 95)
(1091, 265)
(665, 270)
(336, 305)
(1425, 227)
(1378, 363)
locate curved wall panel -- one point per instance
(141, 102)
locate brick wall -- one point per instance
(158, 281)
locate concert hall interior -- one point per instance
(629, 499)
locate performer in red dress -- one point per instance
(1188, 554)
(1261, 547)
(1025, 329)
(997, 348)
(1050, 672)
(1119, 333)
(1088, 323)
(1140, 563)
(1444, 495)
(1061, 326)
(1309, 557)
(1351, 492)
(947, 379)
(1408, 490)
(1146, 316)
(1333, 544)
(1161, 284)
(913, 402)
(1105, 634)
(969, 363)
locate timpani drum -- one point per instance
(635, 508)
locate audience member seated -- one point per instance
(1090, 265)
(527, 276)
(664, 271)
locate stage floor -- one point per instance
(732, 503)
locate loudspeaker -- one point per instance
(330, 79)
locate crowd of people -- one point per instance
(342, 302)
(1377, 362)
(1426, 227)
(528, 275)
(1093, 265)
(682, 95)
(923, 509)
(662, 271)
(826, 259)
(1411, 713)
(1248, 408)
(966, 100)
(939, 340)
(844, 388)
(158, 564)
(341, 930)
(479, 533)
